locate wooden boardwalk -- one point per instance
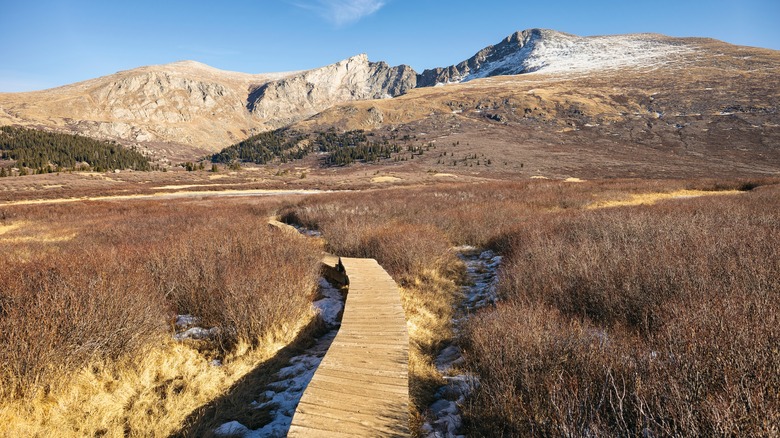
(361, 388)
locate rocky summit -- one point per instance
(544, 50)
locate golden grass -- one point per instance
(154, 196)
(151, 395)
(382, 179)
(428, 303)
(88, 348)
(652, 198)
(32, 232)
(7, 228)
(190, 186)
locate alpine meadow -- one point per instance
(561, 235)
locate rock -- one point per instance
(550, 51)
(510, 46)
(303, 95)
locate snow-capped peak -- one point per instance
(549, 51)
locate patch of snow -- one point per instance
(187, 328)
(231, 428)
(331, 305)
(184, 321)
(555, 52)
(281, 397)
(307, 232)
(196, 333)
(445, 419)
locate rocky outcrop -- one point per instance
(519, 43)
(303, 95)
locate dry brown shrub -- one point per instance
(60, 313)
(409, 230)
(88, 321)
(244, 283)
(634, 321)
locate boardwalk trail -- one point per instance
(361, 387)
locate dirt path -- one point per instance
(166, 195)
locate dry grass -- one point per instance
(634, 321)
(594, 336)
(652, 198)
(88, 322)
(602, 303)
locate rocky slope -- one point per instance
(619, 90)
(290, 99)
(186, 109)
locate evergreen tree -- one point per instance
(39, 150)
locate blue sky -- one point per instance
(49, 43)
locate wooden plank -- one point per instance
(361, 387)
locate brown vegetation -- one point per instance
(620, 320)
(88, 322)
(596, 304)
(635, 321)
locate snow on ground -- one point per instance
(306, 232)
(187, 328)
(445, 419)
(556, 52)
(282, 396)
(331, 305)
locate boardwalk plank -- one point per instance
(361, 388)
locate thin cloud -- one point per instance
(342, 12)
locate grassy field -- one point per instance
(627, 307)
(90, 294)
(655, 320)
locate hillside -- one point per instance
(711, 108)
(186, 109)
(538, 102)
(44, 152)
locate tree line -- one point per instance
(45, 152)
(341, 148)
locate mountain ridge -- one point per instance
(185, 109)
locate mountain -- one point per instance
(539, 99)
(186, 109)
(544, 50)
(619, 106)
(298, 96)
